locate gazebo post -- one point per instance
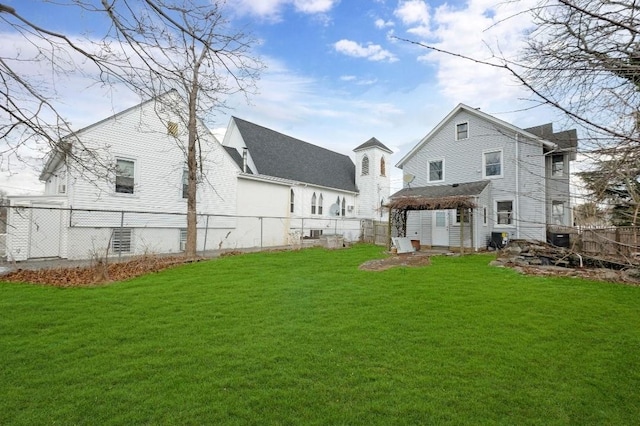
(462, 217)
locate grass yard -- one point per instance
(305, 337)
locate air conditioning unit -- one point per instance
(350, 208)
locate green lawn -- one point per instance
(305, 337)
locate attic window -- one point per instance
(172, 128)
(462, 131)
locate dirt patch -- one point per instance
(410, 260)
(97, 274)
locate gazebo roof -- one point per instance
(438, 197)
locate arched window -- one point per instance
(344, 207)
(313, 204)
(365, 165)
(292, 201)
(382, 167)
(338, 204)
(320, 204)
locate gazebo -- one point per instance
(462, 197)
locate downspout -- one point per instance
(517, 216)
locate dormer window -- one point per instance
(462, 131)
(365, 165)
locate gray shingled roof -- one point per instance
(275, 154)
(566, 140)
(442, 191)
(373, 142)
(237, 157)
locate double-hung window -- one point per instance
(125, 172)
(463, 215)
(185, 183)
(436, 171)
(557, 212)
(462, 131)
(492, 164)
(557, 165)
(504, 211)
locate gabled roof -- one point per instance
(438, 196)
(479, 114)
(279, 155)
(373, 142)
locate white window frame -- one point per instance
(468, 217)
(314, 201)
(383, 166)
(497, 213)
(435, 160)
(320, 204)
(553, 172)
(184, 186)
(292, 201)
(484, 164)
(457, 132)
(135, 177)
(183, 239)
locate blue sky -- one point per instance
(336, 76)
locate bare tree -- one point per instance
(151, 46)
(583, 59)
(185, 46)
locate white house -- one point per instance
(258, 188)
(514, 181)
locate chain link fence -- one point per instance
(34, 232)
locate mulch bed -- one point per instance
(409, 260)
(96, 274)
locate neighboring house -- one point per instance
(259, 188)
(516, 181)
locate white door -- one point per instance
(440, 228)
(45, 231)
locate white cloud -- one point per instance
(272, 9)
(381, 23)
(372, 52)
(348, 77)
(476, 30)
(314, 6)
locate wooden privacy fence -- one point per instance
(375, 232)
(619, 241)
